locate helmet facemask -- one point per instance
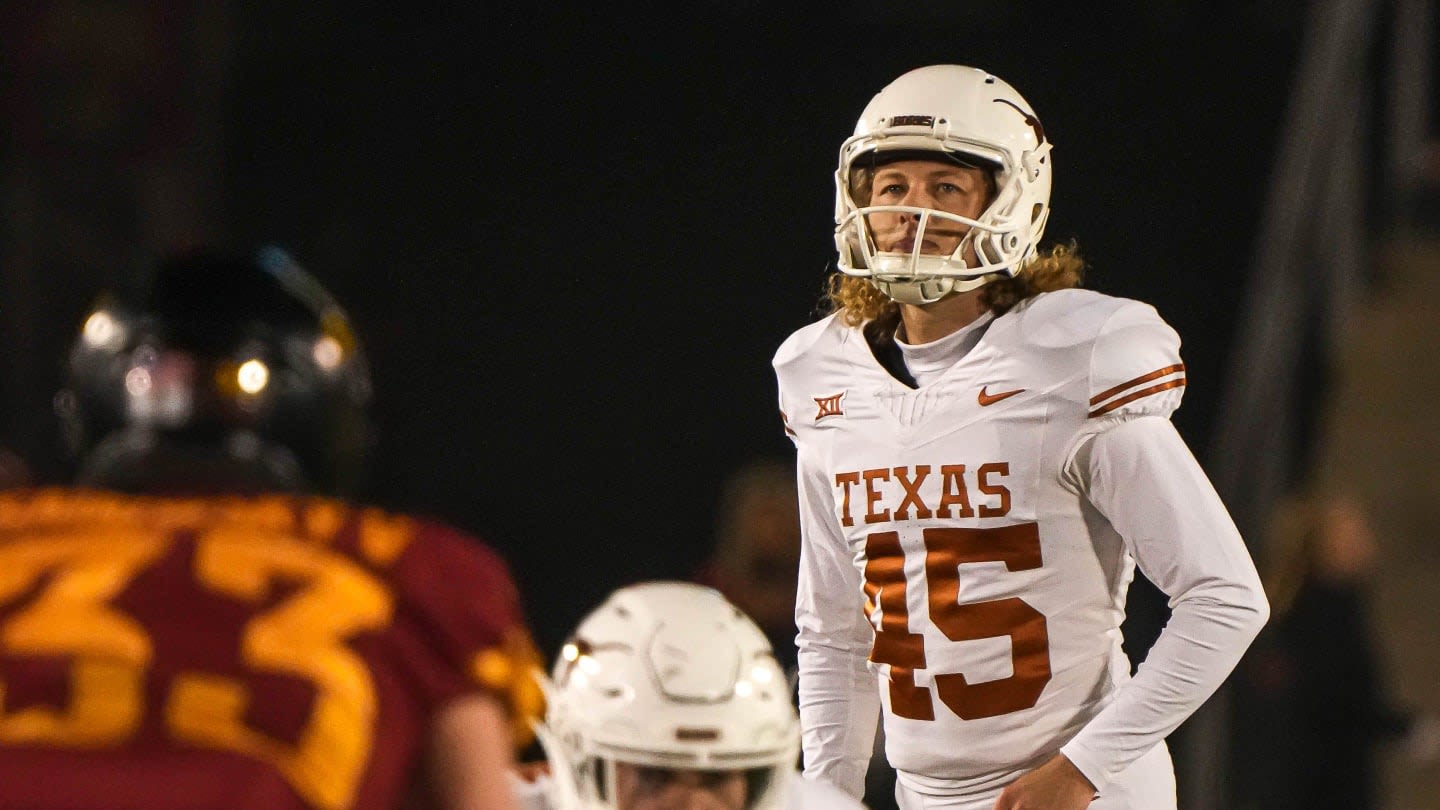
(606, 779)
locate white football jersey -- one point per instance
(950, 544)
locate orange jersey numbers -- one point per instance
(946, 549)
(63, 585)
(303, 636)
(895, 645)
(71, 579)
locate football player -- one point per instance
(667, 697)
(194, 625)
(985, 454)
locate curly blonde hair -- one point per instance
(1059, 268)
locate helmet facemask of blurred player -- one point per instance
(952, 116)
(218, 373)
(667, 697)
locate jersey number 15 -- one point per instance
(946, 549)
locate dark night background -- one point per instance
(573, 238)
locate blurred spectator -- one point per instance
(757, 551)
(1311, 700)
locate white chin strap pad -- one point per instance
(927, 290)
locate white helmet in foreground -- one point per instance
(951, 113)
(666, 677)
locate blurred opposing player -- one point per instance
(667, 697)
(984, 456)
(185, 629)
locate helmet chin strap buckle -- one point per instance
(916, 291)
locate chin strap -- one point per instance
(927, 290)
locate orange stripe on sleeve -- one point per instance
(1144, 392)
(1144, 378)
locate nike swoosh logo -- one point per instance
(990, 399)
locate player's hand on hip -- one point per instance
(1056, 785)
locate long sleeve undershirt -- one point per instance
(1141, 476)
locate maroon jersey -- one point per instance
(269, 653)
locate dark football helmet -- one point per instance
(218, 373)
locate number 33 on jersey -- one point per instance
(295, 644)
(994, 590)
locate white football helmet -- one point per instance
(667, 675)
(975, 119)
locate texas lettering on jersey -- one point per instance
(945, 494)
